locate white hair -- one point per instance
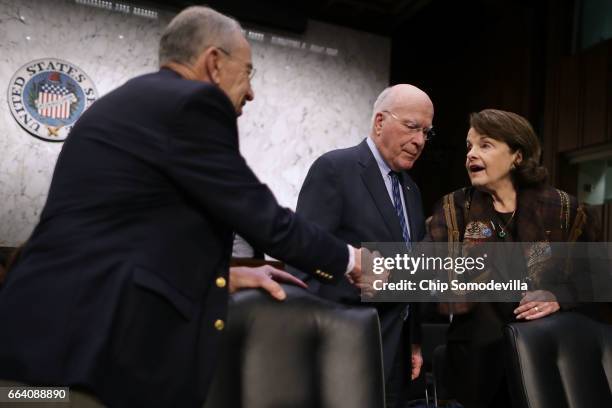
(400, 94)
(381, 102)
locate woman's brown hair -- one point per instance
(518, 134)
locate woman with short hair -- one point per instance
(508, 201)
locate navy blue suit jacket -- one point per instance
(344, 193)
(118, 291)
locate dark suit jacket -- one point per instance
(118, 289)
(345, 194)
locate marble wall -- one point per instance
(313, 93)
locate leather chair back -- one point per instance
(561, 361)
(304, 352)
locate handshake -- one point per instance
(268, 277)
(362, 275)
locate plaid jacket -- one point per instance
(543, 215)
(539, 216)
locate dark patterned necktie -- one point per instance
(397, 203)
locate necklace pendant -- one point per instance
(501, 234)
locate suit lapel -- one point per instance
(376, 186)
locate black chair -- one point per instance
(561, 361)
(304, 352)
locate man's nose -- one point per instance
(250, 95)
(420, 138)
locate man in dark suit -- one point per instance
(364, 194)
(122, 288)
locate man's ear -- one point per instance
(209, 64)
(378, 123)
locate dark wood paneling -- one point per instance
(557, 20)
(551, 126)
(594, 64)
(579, 103)
(569, 103)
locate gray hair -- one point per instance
(399, 94)
(381, 102)
(192, 31)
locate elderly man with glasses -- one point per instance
(364, 194)
(122, 289)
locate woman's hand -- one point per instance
(537, 304)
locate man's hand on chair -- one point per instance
(265, 277)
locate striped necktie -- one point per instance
(397, 203)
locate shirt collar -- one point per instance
(382, 164)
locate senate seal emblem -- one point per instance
(47, 96)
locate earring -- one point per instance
(513, 167)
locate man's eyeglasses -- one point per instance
(428, 132)
(249, 67)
